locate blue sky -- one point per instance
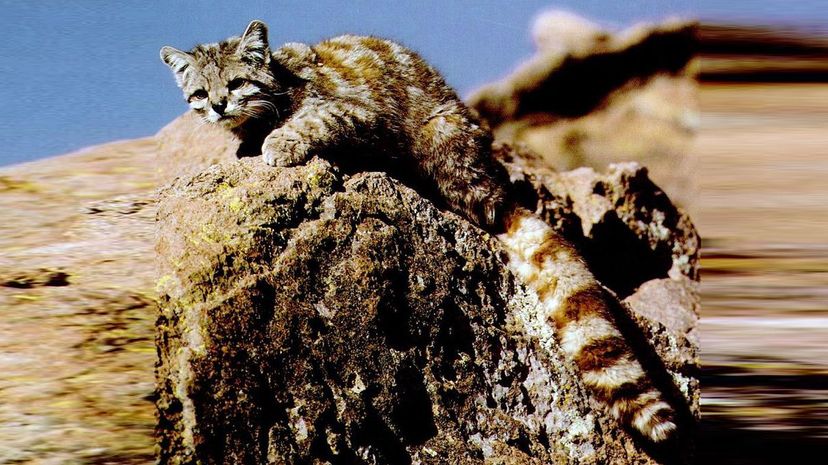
(78, 73)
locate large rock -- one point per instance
(576, 68)
(593, 97)
(308, 316)
(625, 226)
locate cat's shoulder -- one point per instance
(297, 57)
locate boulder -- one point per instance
(593, 97)
(313, 316)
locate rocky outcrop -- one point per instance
(77, 286)
(309, 316)
(619, 219)
(578, 66)
(592, 97)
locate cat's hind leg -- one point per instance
(453, 150)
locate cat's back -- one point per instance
(369, 58)
(375, 70)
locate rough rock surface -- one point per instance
(625, 226)
(308, 316)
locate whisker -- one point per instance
(262, 107)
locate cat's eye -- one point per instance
(198, 95)
(236, 83)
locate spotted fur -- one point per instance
(369, 92)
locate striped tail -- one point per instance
(580, 310)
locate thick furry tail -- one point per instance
(581, 311)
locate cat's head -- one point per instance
(227, 82)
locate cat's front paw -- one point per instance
(285, 149)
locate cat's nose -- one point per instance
(219, 107)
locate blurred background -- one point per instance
(725, 103)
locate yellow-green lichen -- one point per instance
(164, 283)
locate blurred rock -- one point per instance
(35, 278)
(755, 53)
(562, 32)
(625, 226)
(308, 316)
(76, 291)
(590, 97)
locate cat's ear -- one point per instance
(253, 45)
(177, 60)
